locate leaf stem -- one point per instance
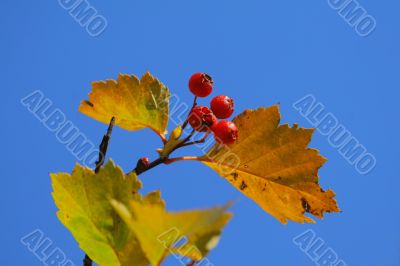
(183, 158)
(162, 137)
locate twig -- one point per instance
(104, 145)
(87, 261)
(152, 165)
(164, 161)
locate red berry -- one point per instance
(201, 118)
(201, 84)
(222, 106)
(225, 132)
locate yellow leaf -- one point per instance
(83, 201)
(172, 142)
(272, 165)
(154, 198)
(158, 230)
(135, 104)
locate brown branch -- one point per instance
(141, 170)
(166, 160)
(104, 146)
(87, 261)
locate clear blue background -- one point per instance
(259, 52)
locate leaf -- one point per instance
(135, 104)
(87, 204)
(83, 201)
(158, 230)
(172, 142)
(272, 165)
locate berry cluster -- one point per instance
(204, 119)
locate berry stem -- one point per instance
(188, 137)
(202, 140)
(185, 140)
(193, 106)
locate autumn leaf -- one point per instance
(158, 230)
(135, 104)
(91, 206)
(83, 201)
(271, 164)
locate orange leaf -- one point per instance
(271, 164)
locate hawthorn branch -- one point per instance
(87, 261)
(166, 160)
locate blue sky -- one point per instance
(260, 53)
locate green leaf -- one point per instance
(158, 230)
(135, 104)
(91, 207)
(84, 208)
